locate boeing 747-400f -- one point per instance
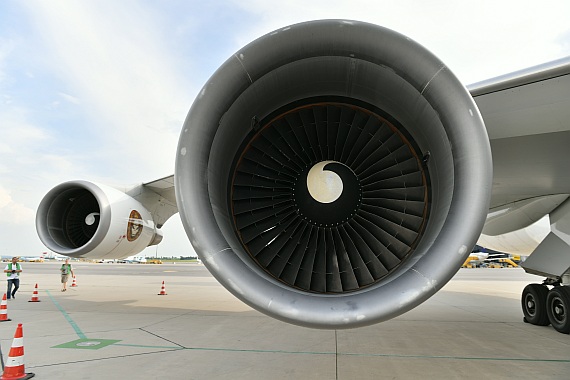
(335, 174)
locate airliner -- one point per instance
(39, 258)
(136, 259)
(335, 174)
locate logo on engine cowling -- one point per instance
(135, 226)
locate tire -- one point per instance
(558, 308)
(533, 302)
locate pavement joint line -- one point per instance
(160, 337)
(260, 351)
(67, 317)
(145, 346)
(336, 352)
(459, 358)
(164, 320)
(378, 355)
(98, 359)
(82, 336)
(445, 357)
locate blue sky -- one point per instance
(99, 90)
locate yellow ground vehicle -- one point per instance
(474, 262)
(468, 262)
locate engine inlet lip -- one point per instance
(48, 217)
(432, 90)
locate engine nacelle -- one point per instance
(89, 220)
(333, 174)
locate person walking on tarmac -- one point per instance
(13, 271)
(66, 269)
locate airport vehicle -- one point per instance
(507, 263)
(335, 174)
(472, 261)
(481, 256)
(475, 258)
(502, 263)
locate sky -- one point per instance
(99, 89)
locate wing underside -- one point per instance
(527, 116)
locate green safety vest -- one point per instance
(10, 269)
(64, 270)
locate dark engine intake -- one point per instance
(333, 174)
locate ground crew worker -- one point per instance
(13, 271)
(66, 269)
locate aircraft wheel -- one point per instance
(533, 303)
(558, 308)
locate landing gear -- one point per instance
(542, 307)
(558, 308)
(533, 302)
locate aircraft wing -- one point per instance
(164, 187)
(527, 116)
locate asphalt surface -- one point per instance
(115, 325)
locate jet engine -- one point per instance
(333, 174)
(89, 220)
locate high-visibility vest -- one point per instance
(65, 270)
(10, 269)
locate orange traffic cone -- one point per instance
(163, 290)
(73, 284)
(14, 368)
(4, 310)
(35, 295)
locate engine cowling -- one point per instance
(88, 220)
(333, 174)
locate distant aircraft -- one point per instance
(135, 259)
(44, 256)
(54, 256)
(335, 174)
(32, 258)
(130, 259)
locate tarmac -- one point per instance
(114, 324)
